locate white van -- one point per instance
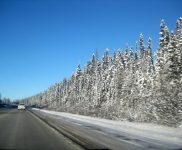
(21, 107)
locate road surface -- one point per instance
(36, 130)
(21, 130)
(91, 133)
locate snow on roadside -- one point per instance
(166, 135)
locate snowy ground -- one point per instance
(168, 137)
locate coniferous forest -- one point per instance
(131, 85)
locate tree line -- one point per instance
(130, 85)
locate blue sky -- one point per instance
(42, 41)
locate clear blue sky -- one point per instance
(42, 41)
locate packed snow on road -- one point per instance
(151, 133)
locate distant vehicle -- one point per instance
(21, 107)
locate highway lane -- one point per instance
(95, 136)
(21, 130)
(91, 137)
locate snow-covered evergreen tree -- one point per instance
(130, 85)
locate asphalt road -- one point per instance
(21, 130)
(92, 136)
